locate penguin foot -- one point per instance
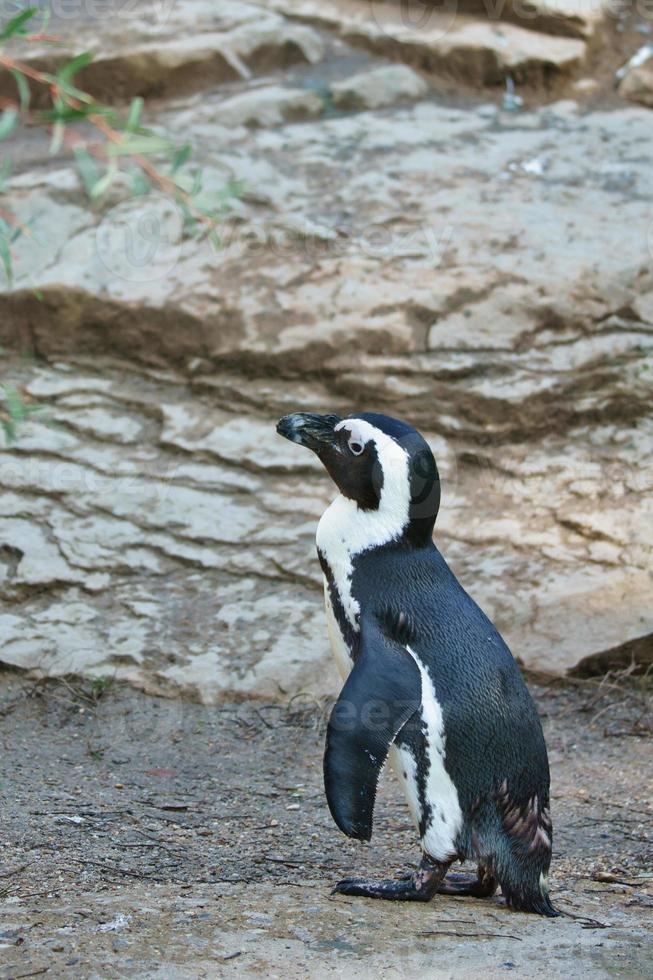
(482, 886)
(417, 886)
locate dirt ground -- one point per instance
(160, 838)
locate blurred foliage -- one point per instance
(105, 144)
(14, 409)
(103, 141)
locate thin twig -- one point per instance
(32, 973)
(469, 935)
(586, 921)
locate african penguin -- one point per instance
(428, 680)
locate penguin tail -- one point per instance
(523, 852)
(529, 900)
(523, 879)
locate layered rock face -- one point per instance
(484, 274)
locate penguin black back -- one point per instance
(452, 709)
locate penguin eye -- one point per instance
(355, 447)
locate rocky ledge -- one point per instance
(486, 274)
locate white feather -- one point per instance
(440, 835)
(404, 767)
(339, 648)
(345, 530)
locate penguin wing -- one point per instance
(382, 691)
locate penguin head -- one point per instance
(381, 463)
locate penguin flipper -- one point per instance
(381, 693)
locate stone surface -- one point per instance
(151, 51)
(459, 266)
(567, 18)
(637, 84)
(184, 559)
(379, 87)
(449, 42)
(269, 106)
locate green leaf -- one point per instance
(61, 113)
(64, 112)
(17, 24)
(14, 403)
(17, 411)
(104, 183)
(140, 183)
(205, 203)
(68, 72)
(8, 120)
(233, 188)
(76, 93)
(5, 258)
(180, 157)
(143, 145)
(189, 218)
(23, 88)
(17, 408)
(134, 114)
(197, 183)
(56, 142)
(9, 430)
(87, 170)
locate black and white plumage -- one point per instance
(429, 682)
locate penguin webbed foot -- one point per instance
(414, 886)
(392, 889)
(484, 885)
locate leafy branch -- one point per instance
(14, 409)
(103, 142)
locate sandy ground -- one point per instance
(146, 837)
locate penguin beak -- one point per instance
(316, 432)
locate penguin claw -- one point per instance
(343, 887)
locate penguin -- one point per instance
(428, 680)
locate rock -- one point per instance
(488, 52)
(269, 106)
(379, 87)
(447, 42)
(565, 18)
(498, 321)
(163, 562)
(586, 86)
(638, 651)
(637, 84)
(240, 440)
(226, 44)
(455, 266)
(643, 307)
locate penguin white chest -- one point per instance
(338, 551)
(339, 647)
(338, 545)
